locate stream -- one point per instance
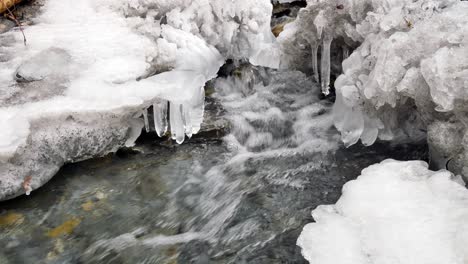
(236, 193)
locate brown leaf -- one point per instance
(64, 229)
(7, 4)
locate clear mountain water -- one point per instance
(241, 198)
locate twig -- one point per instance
(13, 17)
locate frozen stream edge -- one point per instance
(51, 110)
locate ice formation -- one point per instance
(407, 74)
(395, 212)
(160, 117)
(91, 68)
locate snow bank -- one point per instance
(395, 212)
(90, 66)
(407, 74)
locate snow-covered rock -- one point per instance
(92, 68)
(395, 212)
(407, 74)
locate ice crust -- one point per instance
(395, 212)
(107, 58)
(407, 73)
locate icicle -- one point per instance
(145, 117)
(197, 110)
(160, 117)
(187, 120)
(325, 64)
(315, 47)
(345, 52)
(177, 123)
(320, 22)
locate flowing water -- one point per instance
(241, 198)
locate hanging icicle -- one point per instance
(325, 64)
(197, 110)
(187, 120)
(160, 117)
(145, 117)
(315, 48)
(177, 122)
(183, 119)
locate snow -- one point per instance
(91, 58)
(108, 54)
(14, 132)
(395, 212)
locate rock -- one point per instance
(50, 63)
(6, 25)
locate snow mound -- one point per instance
(104, 63)
(395, 212)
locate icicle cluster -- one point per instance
(317, 26)
(179, 118)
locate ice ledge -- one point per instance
(92, 67)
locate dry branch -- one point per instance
(6, 5)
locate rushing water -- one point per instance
(241, 199)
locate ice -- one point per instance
(395, 212)
(187, 120)
(177, 122)
(109, 59)
(315, 68)
(134, 132)
(446, 73)
(145, 119)
(160, 109)
(407, 70)
(325, 65)
(196, 109)
(350, 123)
